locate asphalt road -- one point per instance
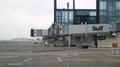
(45, 56)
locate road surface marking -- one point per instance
(58, 58)
(63, 54)
(74, 54)
(116, 55)
(8, 56)
(11, 64)
(82, 59)
(107, 59)
(26, 60)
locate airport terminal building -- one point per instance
(98, 27)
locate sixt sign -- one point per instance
(97, 28)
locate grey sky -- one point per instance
(17, 17)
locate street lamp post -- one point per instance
(69, 38)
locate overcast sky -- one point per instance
(17, 17)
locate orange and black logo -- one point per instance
(97, 28)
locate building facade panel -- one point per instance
(85, 15)
(109, 11)
(89, 29)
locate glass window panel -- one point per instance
(83, 12)
(71, 17)
(118, 19)
(103, 13)
(103, 5)
(103, 19)
(110, 19)
(92, 13)
(118, 6)
(66, 16)
(63, 16)
(117, 13)
(58, 16)
(91, 20)
(111, 5)
(118, 26)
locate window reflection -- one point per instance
(103, 5)
(109, 11)
(118, 5)
(81, 16)
(62, 17)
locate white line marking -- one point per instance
(10, 64)
(8, 56)
(63, 54)
(113, 55)
(16, 56)
(26, 60)
(59, 59)
(74, 54)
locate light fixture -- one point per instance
(114, 34)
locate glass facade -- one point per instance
(109, 11)
(81, 16)
(63, 17)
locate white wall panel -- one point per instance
(80, 29)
